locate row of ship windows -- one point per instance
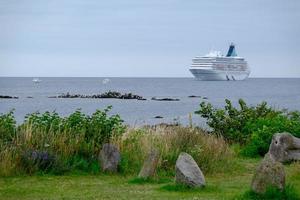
(236, 67)
(220, 65)
(220, 62)
(218, 58)
(231, 68)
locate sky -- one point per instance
(145, 38)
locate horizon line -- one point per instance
(132, 77)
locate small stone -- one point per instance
(269, 173)
(187, 171)
(109, 158)
(150, 164)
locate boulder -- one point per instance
(284, 147)
(109, 158)
(269, 173)
(150, 164)
(187, 171)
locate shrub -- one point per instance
(252, 127)
(49, 143)
(7, 127)
(263, 130)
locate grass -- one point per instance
(231, 185)
(289, 193)
(149, 180)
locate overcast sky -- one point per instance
(147, 38)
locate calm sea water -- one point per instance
(279, 93)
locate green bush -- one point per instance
(7, 127)
(49, 143)
(252, 127)
(263, 130)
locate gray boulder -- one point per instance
(269, 173)
(187, 171)
(150, 164)
(109, 158)
(284, 147)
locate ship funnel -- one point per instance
(231, 51)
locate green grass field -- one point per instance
(219, 186)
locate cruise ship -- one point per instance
(216, 67)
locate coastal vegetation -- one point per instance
(251, 127)
(47, 144)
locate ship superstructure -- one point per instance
(214, 66)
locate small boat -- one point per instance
(36, 80)
(106, 80)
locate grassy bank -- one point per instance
(49, 144)
(231, 185)
(50, 157)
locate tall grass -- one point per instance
(210, 152)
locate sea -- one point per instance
(280, 93)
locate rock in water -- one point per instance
(285, 147)
(150, 164)
(188, 172)
(269, 173)
(164, 99)
(109, 158)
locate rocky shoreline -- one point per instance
(112, 95)
(8, 97)
(106, 95)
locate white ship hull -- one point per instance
(217, 75)
(216, 67)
